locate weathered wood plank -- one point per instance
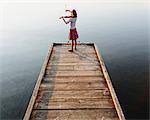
(76, 64)
(73, 86)
(74, 55)
(87, 68)
(74, 103)
(75, 79)
(72, 67)
(78, 51)
(81, 49)
(77, 55)
(78, 46)
(67, 59)
(75, 61)
(60, 67)
(73, 73)
(86, 114)
(47, 95)
(75, 52)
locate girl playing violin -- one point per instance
(73, 35)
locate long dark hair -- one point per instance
(74, 13)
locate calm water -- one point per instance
(119, 29)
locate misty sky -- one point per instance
(37, 14)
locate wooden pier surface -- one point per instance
(73, 86)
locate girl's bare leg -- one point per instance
(75, 44)
(72, 44)
(72, 47)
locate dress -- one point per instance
(73, 34)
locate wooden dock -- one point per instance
(73, 86)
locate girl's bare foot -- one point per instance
(70, 50)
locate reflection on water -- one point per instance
(119, 30)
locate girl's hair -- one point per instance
(74, 13)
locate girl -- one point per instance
(73, 35)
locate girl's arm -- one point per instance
(65, 20)
(68, 10)
(65, 17)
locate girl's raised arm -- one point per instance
(68, 10)
(65, 17)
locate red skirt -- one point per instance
(73, 35)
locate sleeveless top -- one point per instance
(72, 22)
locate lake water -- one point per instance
(120, 31)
